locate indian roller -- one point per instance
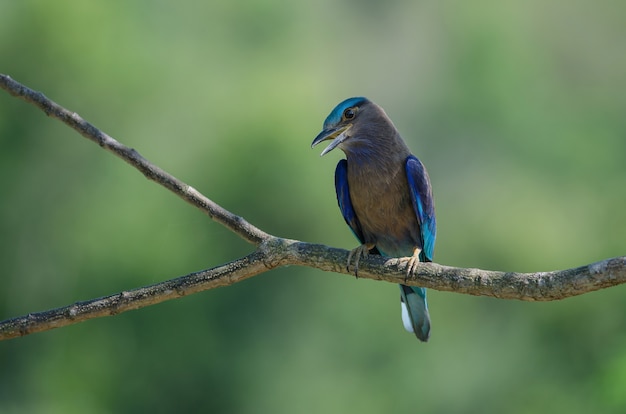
(384, 195)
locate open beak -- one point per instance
(338, 135)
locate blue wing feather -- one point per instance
(422, 197)
(343, 198)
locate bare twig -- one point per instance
(235, 223)
(275, 252)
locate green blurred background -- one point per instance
(516, 108)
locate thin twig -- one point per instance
(223, 275)
(233, 222)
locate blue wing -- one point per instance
(422, 197)
(343, 198)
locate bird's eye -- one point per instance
(349, 113)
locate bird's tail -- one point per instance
(415, 315)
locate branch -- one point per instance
(276, 252)
(273, 252)
(235, 223)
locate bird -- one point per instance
(385, 196)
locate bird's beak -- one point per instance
(338, 135)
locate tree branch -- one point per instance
(273, 252)
(235, 223)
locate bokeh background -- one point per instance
(516, 108)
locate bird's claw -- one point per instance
(411, 266)
(360, 252)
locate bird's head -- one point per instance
(354, 123)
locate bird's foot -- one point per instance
(360, 252)
(411, 266)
